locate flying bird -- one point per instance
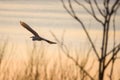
(36, 36)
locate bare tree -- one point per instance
(108, 13)
(81, 65)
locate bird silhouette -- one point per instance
(36, 36)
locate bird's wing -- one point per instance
(29, 28)
(49, 41)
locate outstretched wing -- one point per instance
(28, 28)
(49, 41)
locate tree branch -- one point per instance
(99, 8)
(93, 12)
(66, 8)
(118, 46)
(114, 54)
(66, 51)
(115, 6)
(83, 6)
(82, 24)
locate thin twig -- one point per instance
(117, 46)
(66, 51)
(99, 8)
(115, 53)
(93, 12)
(75, 17)
(115, 6)
(66, 8)
(83, 6)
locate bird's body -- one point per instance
(36, 36)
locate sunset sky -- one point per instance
(45, 16)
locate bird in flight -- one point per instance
(36, 36)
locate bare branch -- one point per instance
(99, 8)
(66, 8)
(60, 43)
(86, 32)
(114, 30)
(114, 54)
(93, 13)
(71, 7)
(118, 46)
(115, 6)
(114, 42)
(66, 51)
(81, 67)
(89, 38)
(83, 6)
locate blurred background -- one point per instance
(45, 16)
